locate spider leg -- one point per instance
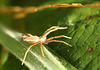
(25, 34)
(52, 29)
(59, 37)
(48, 41)
(28, 51)
(42, 50)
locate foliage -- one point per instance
(83, 26)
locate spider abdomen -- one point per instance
(32, 39)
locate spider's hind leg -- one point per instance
(28, 51)
(42, 50)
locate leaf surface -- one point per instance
(12, 41)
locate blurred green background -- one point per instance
(83, 26)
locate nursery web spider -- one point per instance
(42, 39)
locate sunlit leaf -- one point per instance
(12, 41)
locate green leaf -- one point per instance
(83, 26)
(12, 63)
(4, 55)
(85, 33)
(12, 41)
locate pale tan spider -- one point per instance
(39, 40)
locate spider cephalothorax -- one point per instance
(39, 40)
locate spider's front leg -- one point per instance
(59, 37)
(52, 29)
(48, 41)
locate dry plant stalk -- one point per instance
(21, 12)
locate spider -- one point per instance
(43, 39)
